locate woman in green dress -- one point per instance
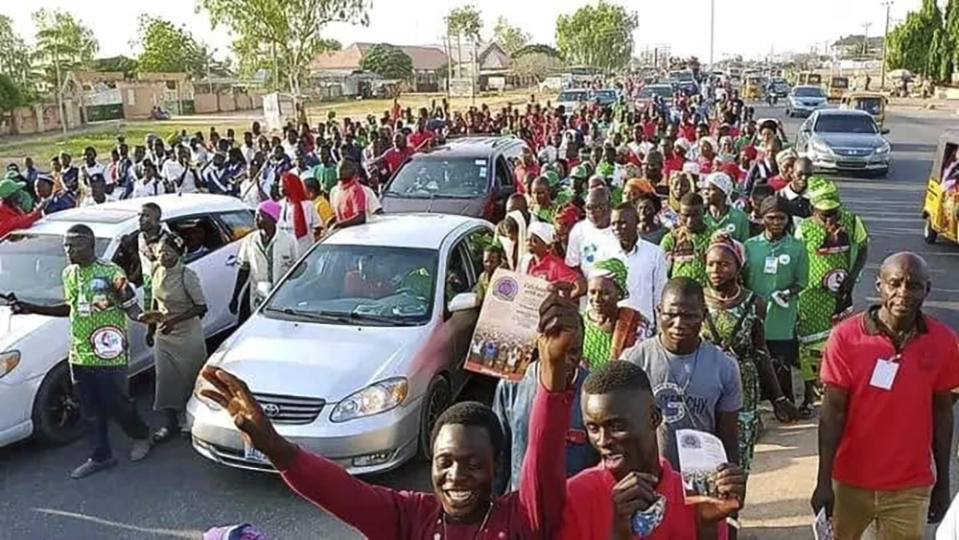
(610, 329)
(734, 322)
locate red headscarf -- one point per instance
(567, 215)
(296, 194)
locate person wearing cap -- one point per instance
(575, 190)
(785, 160)
(264, 256)
(777, 269)
(734, 323)
(51, 201)
(12, 215)
(540, 260)
(836, 243)
(721, 215)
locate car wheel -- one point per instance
(56, 409)
(881, 173)
(438, 398)
(928, 233)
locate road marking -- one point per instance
(884, 186)
(100, 521)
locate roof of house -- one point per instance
(424, 58)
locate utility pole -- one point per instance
(865, 37)
(885, 46)
(712, 31)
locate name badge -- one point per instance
(884, 374)
(772, 265)
(83, 308)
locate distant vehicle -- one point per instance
(873, 103)
(647, 93)
(333, 354)
(572, 98)
(940, 203)
(808, 78)
(844, 140)
(837, 87)
(551, 83)
(36, 395)
(682, 75)
(803, 100)
(604, 97)
(472, 176)
(780, 88)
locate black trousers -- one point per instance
(785, 354)
(104, 394)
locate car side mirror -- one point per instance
(463, 302)
(884, 131)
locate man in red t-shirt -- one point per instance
(394, 157)
(348, 198)
(542, 262)
(621, 418)
(885, 428)
(418, 139)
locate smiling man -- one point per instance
(466, 440)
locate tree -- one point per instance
(15, 61)
(63, 44)
(169, 48)
(537, 48)
(387, 61)
(123, 64)
(597, 36)
(464, 21)
(536, 65)
(911, 43)
(510, 38)
(287, 31)
(10, 96)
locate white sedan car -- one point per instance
(36, 396)
(332, 354)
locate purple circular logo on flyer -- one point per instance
(506, 289)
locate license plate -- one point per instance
(252, 454)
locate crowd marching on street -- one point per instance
(698, 267)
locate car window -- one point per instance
(200, 234)
(503, 176)
(845, 123)
(808, 92)
(458, 278)
(476, 242)
(453, 178)
(572, 96)
(31, 266)
(237, 224)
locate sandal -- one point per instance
(806, 412)
(164, 434)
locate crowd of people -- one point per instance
(698, 266)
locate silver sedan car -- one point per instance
(335, 355)
(844, 140)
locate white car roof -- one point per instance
(421, 230)
(111, 219)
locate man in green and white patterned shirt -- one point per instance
(98, 300)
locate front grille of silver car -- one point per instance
(290, 409)
(852, 151)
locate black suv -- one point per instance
(471, 176)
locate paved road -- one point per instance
(177, 494)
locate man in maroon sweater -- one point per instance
(466, 440)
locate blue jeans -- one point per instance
(103, 394)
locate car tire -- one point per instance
(56, 409)
(929, 235)
(438, 398)
(881, 173)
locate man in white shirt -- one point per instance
(150, 185)
(96, 194)
(265, 256)
(646, 265)
(592, 239)
(179, 174)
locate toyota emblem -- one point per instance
(272, 410)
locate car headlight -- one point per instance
(9, 360)
(884, 149)
(819, 147)
(374, 399)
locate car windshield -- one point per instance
(435, 177)
(839, 83)
(31, 266)
(845, 123)
(662, 91)
(606, 95)
(360, 285)
(572, 96)
(870, 105)
(808, 91)
(682, 75)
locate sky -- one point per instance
(752, 28)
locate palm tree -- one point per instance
(63, 44)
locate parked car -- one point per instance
(844, 139)
(651, 91)
(804, 100)
(332, 354)
(605, 97)
(36, 397)
(572, 98)
(472, 176)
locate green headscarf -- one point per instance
(614, 269)
(823, 193)
(580, 172)
(605, 169)
(552, 178)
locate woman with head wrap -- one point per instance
(648, 208)
(297, 214)
(608, 328)
(836, 243)
(785, 160)
(180, 346)
(679, 185)
(635, 187)
(541, 261)
(511, 234)
(734, 322)
(707, 155)
(727, 150)
(721, 215)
